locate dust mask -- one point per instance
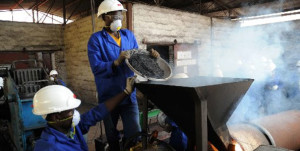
(116, 25)
(44, 116)
(76, 118)
(51, 78)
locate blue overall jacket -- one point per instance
(53, 140)
(102, 51)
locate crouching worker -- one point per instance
(65, 126)
(54, 79)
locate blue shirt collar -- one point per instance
(59, 136)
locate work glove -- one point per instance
(123, 55)
(129, 85)
(154, 53)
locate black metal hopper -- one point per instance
(190, 101)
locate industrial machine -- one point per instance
(21, 81)
(200, 106)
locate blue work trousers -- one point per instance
(130, 118)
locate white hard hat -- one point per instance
(54, 98)
(109, 6)
(53, 72)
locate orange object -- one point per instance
(211, 147)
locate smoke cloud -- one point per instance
(260, 53)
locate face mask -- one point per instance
(116, 25)
(51, 78)
(76, 118)
(44, 116)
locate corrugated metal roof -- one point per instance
(76, 9)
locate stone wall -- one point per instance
(162, 25)
(157, 24)
(17, 35)
(20, 36)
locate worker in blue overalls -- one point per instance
(107, 52)
(65, 126)
(178, 139)
(53, 76)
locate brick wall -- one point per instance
(17, 35)
(80, 77)
(157, 24)
(14, 36)
(60, 65)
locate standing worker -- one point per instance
(107, 52)
(54, 78)
(65, 126)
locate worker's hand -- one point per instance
(129, 85)
(123, 55)
(154, 53)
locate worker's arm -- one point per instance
(61, 82)
(98, 66)
(98, 113)
(125, 54)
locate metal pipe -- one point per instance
(33, 20)
(48, 10)
(129, 17)
(68, 5)
(41, 4)
(93, 15)
(38, 3)
(19, 6)
(74, 10)
(18, 3)
(37, 12)
(284, 128)
(145, 123)
(281, 130)
(64, 11)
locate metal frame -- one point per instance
(145, 122)
(129, 16)
(75, 9)
(24, 124)
(64, 11)
(93, 14)
(47, 11)
(201, 125)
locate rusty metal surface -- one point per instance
(248, 136)
(270, 148)
(177, 98)
(283, 128)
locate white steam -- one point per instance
(259, 53)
